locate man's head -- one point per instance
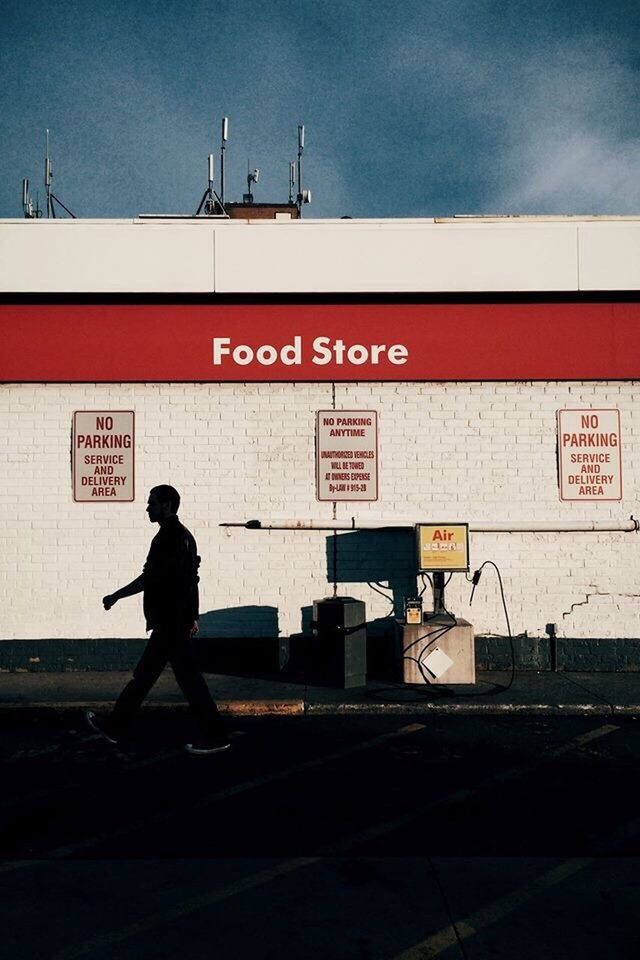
(163, 502)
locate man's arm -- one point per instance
(136, 586)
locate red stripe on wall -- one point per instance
(150, 342)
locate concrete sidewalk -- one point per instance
(560, 694)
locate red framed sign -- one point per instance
(103, 461)
(346, 455)
(589, 455)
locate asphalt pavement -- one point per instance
(323, 837)
(526, 693)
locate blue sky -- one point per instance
(411, 108)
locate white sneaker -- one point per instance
(204, 747)
(92, 720)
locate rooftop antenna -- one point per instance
(252, 177)
(304, 196)
(211, 202)
(223, 141)
(30, 212)
(48, 177)
(292, 179)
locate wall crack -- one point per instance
(596, 593)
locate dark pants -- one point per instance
(172, 645)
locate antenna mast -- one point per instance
(27, 203)
(211, 202)
(304, 196)
(292, 179)
(252, 177)
(300, 151)
(223, 143)
(48, 177)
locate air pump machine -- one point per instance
(436, 647)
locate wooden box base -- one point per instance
(456, 641)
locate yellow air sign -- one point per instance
(443, 546)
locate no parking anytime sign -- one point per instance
(347, 455)
(590, 456)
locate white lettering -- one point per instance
(291, 355)
(398, 354)
(242, 355)
(320, 347)
(325, 351)
(357, 354)
(266, 355)
(220, 349)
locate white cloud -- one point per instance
(582, 173)
(547, 126)
(572, 141)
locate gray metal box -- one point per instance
(338, 648)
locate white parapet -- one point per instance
(202, 255)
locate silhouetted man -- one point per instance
(169, 581)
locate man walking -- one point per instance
(169, 582)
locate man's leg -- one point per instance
(194, 687)
(149, 667)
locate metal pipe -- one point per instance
(554, 526)
(507, 526)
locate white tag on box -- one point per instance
(437, 663)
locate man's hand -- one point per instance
(195, 630)
(136, 586)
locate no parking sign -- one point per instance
(103, 456)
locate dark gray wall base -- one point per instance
(255, 655)
(571, 654)
(57, 656)
(219, 655)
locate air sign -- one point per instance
(443, 546)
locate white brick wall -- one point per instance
(467, 452)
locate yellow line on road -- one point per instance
(410, 816)
(467, 927)
(165, 816)
(108, 940)
(128, 766)
(343, 846)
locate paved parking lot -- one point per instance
(364, 837)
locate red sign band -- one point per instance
(319, 342)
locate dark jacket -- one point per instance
(171, 577)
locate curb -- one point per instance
(239, 708)
(259, 708)
(475, 709)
